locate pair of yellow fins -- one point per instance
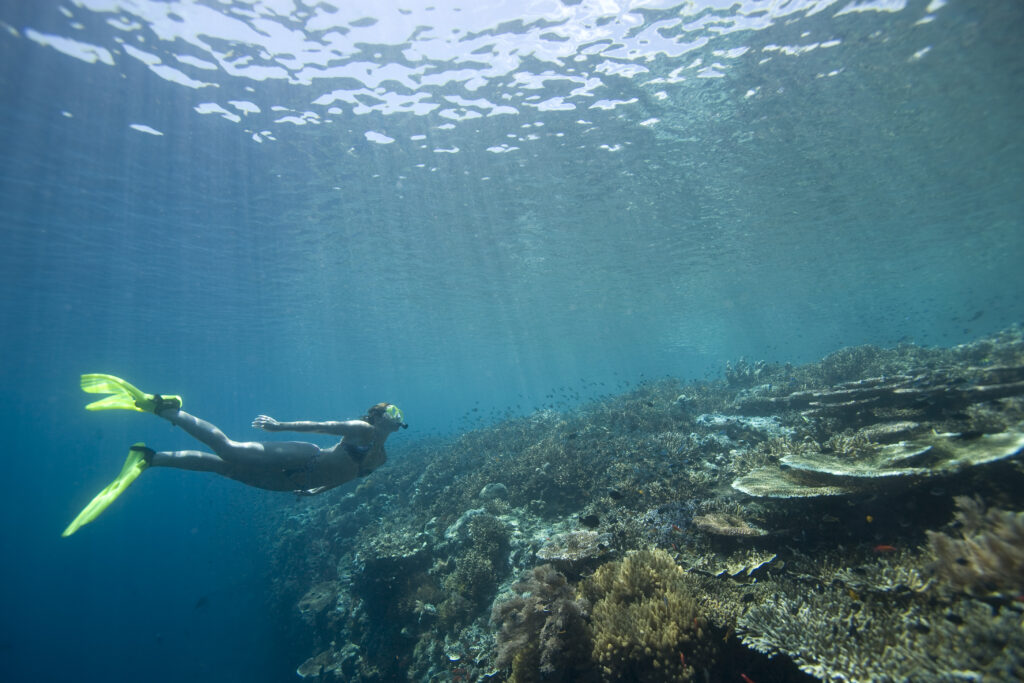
(123, 396)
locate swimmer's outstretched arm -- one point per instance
(347, 428)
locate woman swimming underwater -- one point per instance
(297, 466)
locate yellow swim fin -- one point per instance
(124, 395)
(133, 467)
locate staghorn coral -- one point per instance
(988, 557)
(836, 636)
(542, 630)
(645, 623)
(893, 575)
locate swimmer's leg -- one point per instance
(262, 470)
(197, 461)
(286, 454)
(199, 429)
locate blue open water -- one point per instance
(465, 208)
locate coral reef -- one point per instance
(542, 633)
(645, 623)
(875, 465)
(340, 664)
(479, 565)
(574, 551)
(930, 393)
(688, 531)
(494, 491)
(836, 634)
(988, 554)
(725, 524)
(318, 598)
(744, 373)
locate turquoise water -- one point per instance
(468, 209)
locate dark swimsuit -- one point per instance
(358, 453)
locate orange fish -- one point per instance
(884, 548)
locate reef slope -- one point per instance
(855, 519)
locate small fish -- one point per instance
(682, 660)
(884, 548)
(746, 678)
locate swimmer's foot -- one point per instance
(125, 396)
(144, 452)
(139, 458)
(162, 403)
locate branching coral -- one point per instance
(479, 563)
(988, 556)
(542, 629)
(645, 623)
(835, 636)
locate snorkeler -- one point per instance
(296, 466)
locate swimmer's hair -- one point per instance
(375, 413)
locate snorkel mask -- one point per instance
(393, 413)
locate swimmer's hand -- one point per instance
(266, 423)
(311, 492)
